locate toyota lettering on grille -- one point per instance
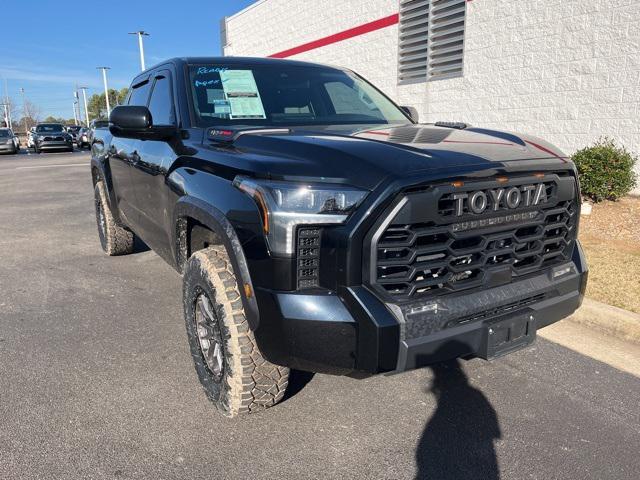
(507, 198)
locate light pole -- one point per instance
(8, 103)
(75, 113)
(86, 110)
(24, 111)
(141, 34)
(106, 88)
(76, 105)
(6, 113)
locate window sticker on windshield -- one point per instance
(241, 91)
(222, 107)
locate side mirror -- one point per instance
(130, 118)
(134, 121)
(412, 113)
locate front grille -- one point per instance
(429, 248)
(308, 257)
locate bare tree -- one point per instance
(12, 109)
(30, 114)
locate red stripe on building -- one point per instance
(340, 36)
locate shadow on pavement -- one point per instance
(139, 246)
(458, 441)
(297, 381)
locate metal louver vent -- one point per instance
(431, 39)
(446, 38)
(413, 40)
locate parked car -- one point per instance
(83, 138)
(51, 136)
(93, 125)
(9, 143)
(318, 226)
(73, 131)
(31, 135)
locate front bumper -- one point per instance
(9, 147)
(54, 145)
(354, 331)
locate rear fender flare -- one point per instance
(103, 174)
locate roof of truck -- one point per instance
(237, 61)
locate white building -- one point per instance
(564, 70)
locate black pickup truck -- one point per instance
(319, 226)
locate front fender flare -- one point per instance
(216, 221)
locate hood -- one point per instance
(364, 156)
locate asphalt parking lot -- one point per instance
(96, 380)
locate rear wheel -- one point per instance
(114, 239)
(234, 374)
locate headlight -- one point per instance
(285, 205)
(40, 137)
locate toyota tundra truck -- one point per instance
(318, 226)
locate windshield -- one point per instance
(73, 129)
(50, 128)
(4, 134)
(278, 95)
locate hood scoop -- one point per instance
(403, 134)
(418, 135)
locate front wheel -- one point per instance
(231, 368)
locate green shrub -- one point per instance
(606, 170)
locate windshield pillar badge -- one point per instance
(509, 198)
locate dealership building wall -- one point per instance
(564, 70)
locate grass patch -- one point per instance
(614, 273)
(611, 240)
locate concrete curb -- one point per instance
(613, 321)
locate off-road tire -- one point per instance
(248, 382)
(114, 239)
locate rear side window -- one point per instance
(161, 104)
(140, 94)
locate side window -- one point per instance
(349, 100)
(139, 94)
(161, 104)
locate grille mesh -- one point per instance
(308, 256)
(420, 259)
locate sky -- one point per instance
(53, 45)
